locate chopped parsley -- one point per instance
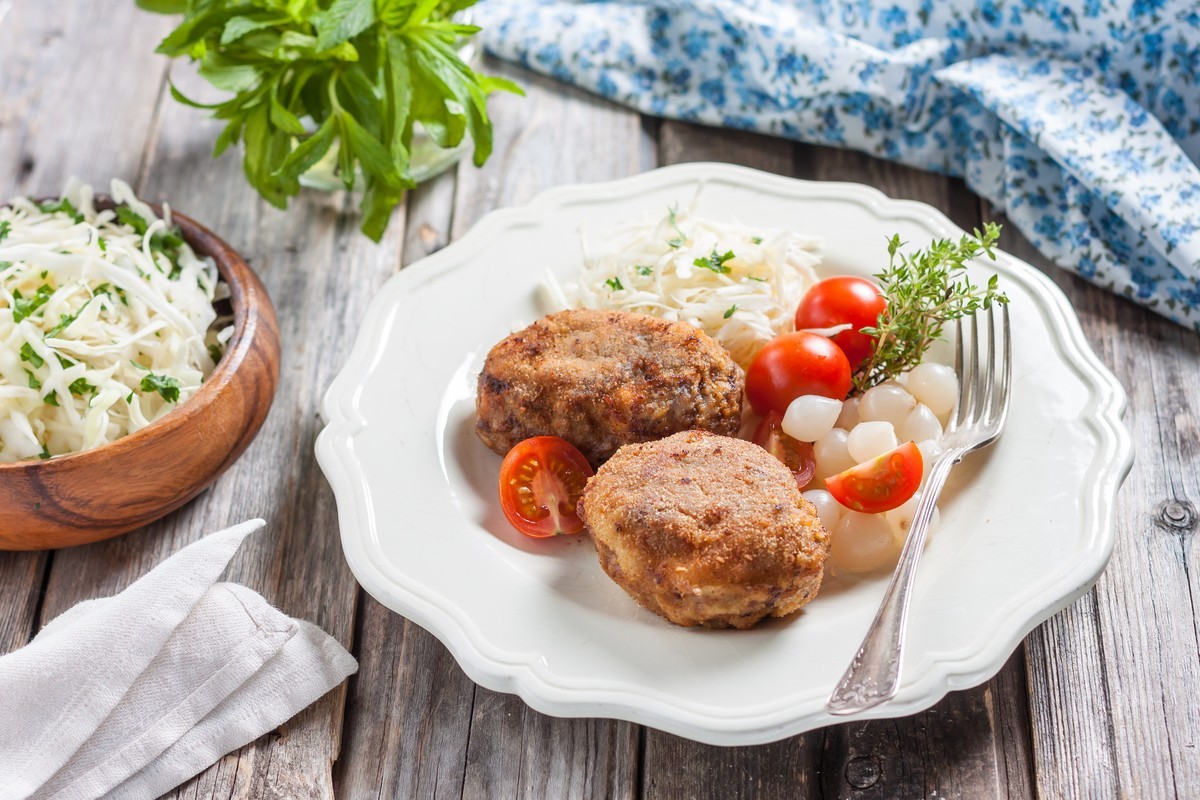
(756, 239)
(614, 284)
(165, 385)
(215, 352)
(5, 229)
(716, 262)
(756, 278)
(25, 306)
(64, 362)
(45, 454)
(30, 355)
(729, 311)
(168, 241)
(644, 270)
(62, 205)
(51, 399)
(80, 386)
(34, 383)
(64, 322)
(678, 240)
(108, 289)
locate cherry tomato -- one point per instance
(795, 454)
(793, 364)
(880, 484)
(841, 300)
(541, 480)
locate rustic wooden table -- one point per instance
(1099, 701)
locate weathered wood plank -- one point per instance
(408, 713)
(1113, 679)
(56, 121)
(680, 142)
(321, 273)
(553, 136)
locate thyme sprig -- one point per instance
(925, 290)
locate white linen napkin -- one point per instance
(134, 694)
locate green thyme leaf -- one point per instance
(925, 290)
(730, 311)
(614, 284)
(51, 399)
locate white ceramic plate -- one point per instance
(1027, 526)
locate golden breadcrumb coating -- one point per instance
(602, 379)
(705, 530)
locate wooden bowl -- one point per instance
(128, 483)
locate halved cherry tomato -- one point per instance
(840, 300)
(880, 484)
(795, 454)
(541, 481)
(793, 364)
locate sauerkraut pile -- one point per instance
(739, 284)
(106, 322)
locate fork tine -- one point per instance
(952, 422)
(968, 378)
(1002, 396)
(987, 401)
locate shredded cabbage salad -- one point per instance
(106, 321)
(738, 283)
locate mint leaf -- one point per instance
(342, 21)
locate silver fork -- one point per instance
(874, 675)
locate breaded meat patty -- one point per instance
(705, 530)
(602, 379)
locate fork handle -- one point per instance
(873, 677)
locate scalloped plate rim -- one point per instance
(515, 673)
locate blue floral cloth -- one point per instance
(1081, 120)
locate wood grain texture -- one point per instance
(1101, 702)
(408, 712)
(1113, 679)
(321, 272)
(553, 136)
(41, 145)
(72, 499)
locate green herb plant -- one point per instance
(924, 291)
(306, 74)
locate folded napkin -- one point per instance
(136, 693)
(1080, 120)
